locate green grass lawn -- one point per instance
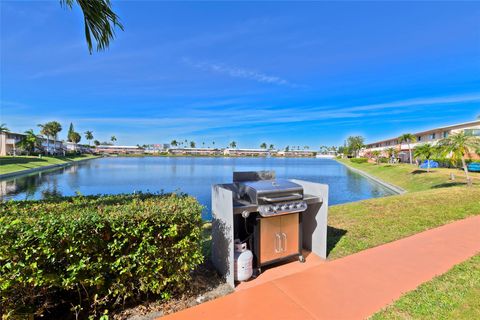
(361, 225)
(17, 164)
(432, 200)
(453, 295)
(412, 178)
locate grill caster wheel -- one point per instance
(258, 272)
(301, 258)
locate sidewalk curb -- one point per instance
(390, 186)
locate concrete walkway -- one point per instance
(353, 287)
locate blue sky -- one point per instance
(308, 73)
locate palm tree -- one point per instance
(213, 143)
(3, 129)
(76, 137)
(233, 144)
(100, 21)
(263, 145)
(29, 142)
(271, 147)
(376, 154)
(192, 144)
(89, 136)
(56, 128)
(174, 143)
(408, 138)
(392, 153)
(96, 143)
(426, 151)
(355, 144)
(46, 131)
(457, 146)
(113, 139)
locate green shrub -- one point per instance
(359, 160)
(383, 160)
(87, 254)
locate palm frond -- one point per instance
(100, 21)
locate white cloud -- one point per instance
(237, 72)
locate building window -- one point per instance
(432, 136)
(472, 132)
(445, 134)
(419, 138)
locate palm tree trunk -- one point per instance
(428, 165)
(469, 181)
(410, 153)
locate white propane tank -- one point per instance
(243, 261)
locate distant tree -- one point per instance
(89, 136)
(343, 150)
(174, 143)
(263, 145)
(203, 144)
(287, 148)
(192, 144)
(29, 142)
(100, 21)
(3, 128)
(213, 143)
(71, 130)
(271, 147)
(76, 137)
(457, 146)
(355, 144)
(113, 139)
(426, 151)
(376, 155)
(233, 145)
(96, 142)
(408, 138)
(51, 130)
(306, 147)
(392, 153)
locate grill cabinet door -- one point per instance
(289, 234)
(270, 239)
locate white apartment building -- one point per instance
(429, 136)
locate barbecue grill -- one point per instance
(269, 215)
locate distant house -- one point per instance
(9, 144)
(297, 153)
(72, 147)
(108, 149)
(431, 136)
(195, 151)
(248, 152)
(157, 148)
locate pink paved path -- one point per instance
(353, 287)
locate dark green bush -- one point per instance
(359, 160)
(90, 253)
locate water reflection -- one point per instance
(191, 175)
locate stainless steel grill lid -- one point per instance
(270, 191)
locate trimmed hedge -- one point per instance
(359, 160)
(84, 255)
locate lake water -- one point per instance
(191, 175)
